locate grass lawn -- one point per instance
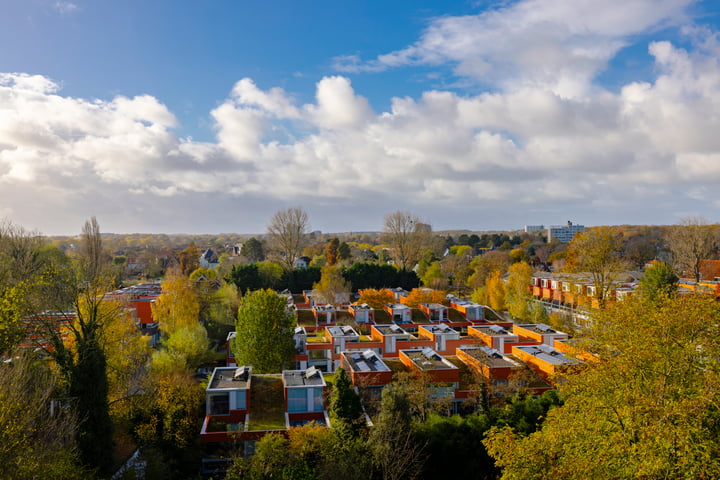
(418, 316)
(455, 316)
(381, 317)
(305, 317)
(267, 403)
(344, 318)
(395, 365)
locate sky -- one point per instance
(208, 116)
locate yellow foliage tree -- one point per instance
(177, 306)
(496, 291)
(376, 298)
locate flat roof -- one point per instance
(235, 378)
(428, 359)
(397, 306)
(433, 305)
(489, 356)
(366, 361)
(390, 329)
(341, 331)
(540, 328)
(492, 330)
(547, 354)
(440, 329)
(310, 377)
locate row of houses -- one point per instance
(499, 353)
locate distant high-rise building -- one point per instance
(564, 233)
(534, 228)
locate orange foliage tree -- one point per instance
(376, 298)
(424, 295)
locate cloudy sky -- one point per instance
(207, 116)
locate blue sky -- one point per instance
(210, 115)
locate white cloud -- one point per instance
(559, 44)
(527, 147)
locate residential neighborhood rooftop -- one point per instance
(427, 359)
(367, 361)
(308, 377)
(231, 378)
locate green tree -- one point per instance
(253, 250)
(344, 404)
(659, 279)
(82, 359)
(647, 409)
(344, 251)
(264, 338)
(395, 450)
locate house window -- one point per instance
(220, 404)
(317, 399)
(297, 400)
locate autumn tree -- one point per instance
(597, 252)
(484, 265)
(690, 242)
(288, 230)
(517, 297)
(376, 298)
(424, 295)
(178, 305)
(265, 327)
(189, 259)
(495, 288)
(332, 251)
(34, 426)
(407, 236)
(82, 359)
(648, 409)
(332, 286)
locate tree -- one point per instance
(495, 288)
(648, 409)
(376, 298)
(253, 250)
(424, 295)
(177, 306)
(332, 286)
(396, 452)
(344, 252)
(597, 252)
(484, 265)
(407, 236)
(659, 279)
(517, 296)
(344, 404)
(265, 327)
(690, 242)
(189, 259)
(287, 230)
(34, 428)
(434, 277)
(332, 251)
(82, 359)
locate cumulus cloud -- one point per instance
(527, 147)
(560, 44)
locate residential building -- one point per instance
(564, 233)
